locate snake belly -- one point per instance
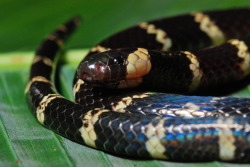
(151, 125)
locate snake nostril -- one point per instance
(83, 69)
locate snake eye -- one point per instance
(119, 60)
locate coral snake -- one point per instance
(114, 110)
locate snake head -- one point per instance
(122, 67)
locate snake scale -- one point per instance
(114, 111)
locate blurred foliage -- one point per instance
(24, 23)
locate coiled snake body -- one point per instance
(153, 125)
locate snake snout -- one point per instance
(93, 71)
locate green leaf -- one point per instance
(24, 24)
